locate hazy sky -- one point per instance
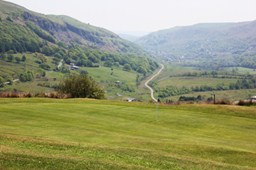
(146, 15)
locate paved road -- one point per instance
(154, 76)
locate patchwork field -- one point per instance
(91, 134)
(190, 77)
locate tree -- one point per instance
(10, 58)
(81, 86)
(23, 58)
(43, 74)
(127, 67)
(1, 82)
(28, 76)
(142, 70)
(17, 59)
(4, 57)
(10, 82)
(108, 64)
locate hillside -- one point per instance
(59, 29)
(206, 45)
(91, 134)
(128, 37)
(45, 46)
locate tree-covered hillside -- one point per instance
(62, 29)
(22, 30)
(206, 45)
(54, 43)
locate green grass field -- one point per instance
(91, 134)
(194, 81)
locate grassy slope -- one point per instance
(100, 74)
(107, 80)
(90, 134)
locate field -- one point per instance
(194, 81)
(177, 76)
(227, 95)
(90, 134)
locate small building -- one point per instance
(253, 98)
(73, 66)
(129, 99)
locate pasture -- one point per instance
(93, 134)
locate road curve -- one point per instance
(146, 83)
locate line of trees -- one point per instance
(214, 74)
(11, 58)
(244, 83)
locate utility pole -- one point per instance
(214, 101)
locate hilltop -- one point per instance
(206, 45)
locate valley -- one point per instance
(229, 84)
(40, 50)
(78, 96)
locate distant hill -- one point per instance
(128, 37)
(225, 44)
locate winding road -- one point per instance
(154, 76)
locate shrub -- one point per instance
(245, 103)
(81, 86)
(223, 101)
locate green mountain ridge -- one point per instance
(66, 29)
(225, 44)
(36, 44)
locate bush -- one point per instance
(223, 101)
(28, 76)
(14, 94)
(245, 103)
(81, 86)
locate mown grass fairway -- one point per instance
(91, 134)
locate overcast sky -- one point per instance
(146, 15)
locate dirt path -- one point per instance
(154, 76)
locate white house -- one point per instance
(73, 66)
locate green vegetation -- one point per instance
(245, 83)
(17, 38)
(177, 80)
(28, 76)
(40, 80)
(37, 51)
(213, 45)
(91, 134)
(81, 86)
